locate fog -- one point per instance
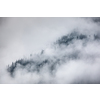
(49, 50)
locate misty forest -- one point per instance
(50, 50)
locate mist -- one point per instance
(49, 50)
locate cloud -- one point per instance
(68, 50)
